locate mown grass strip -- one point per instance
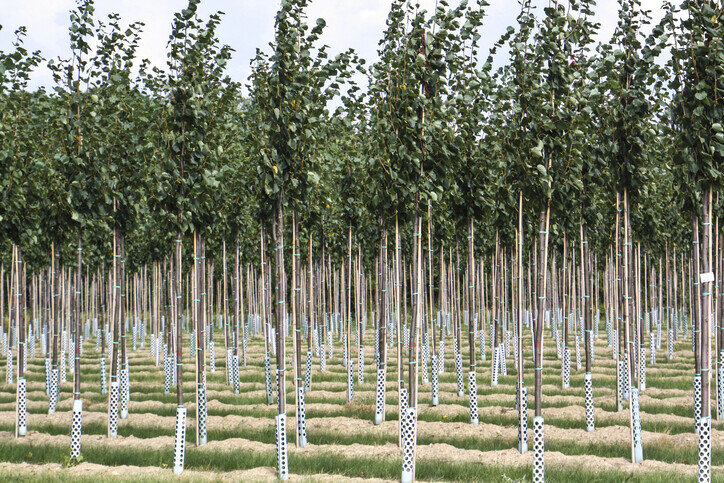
(389, 468)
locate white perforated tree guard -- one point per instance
(566, 368)
(435, 381)
(315, 341)
(330, 347)
(642, 369)
(267, 379)
(502, 360)
(652, 348)
(71, 354)
(113, 410)
(104, 381)
(235, 380)
(202, 414)
(179, 445)
(441, 357)
(403, 399)
(425, 359)
(615, 344)
(273, 344)
(53, 397)
(21, 408)
(350, 379)
(636, 346)
(697, 400)
(409, 445)
(559, 345)
(9, 372)
(344, 351)
(173, 368)
(623, 377)
(578, 354)
(245, 344)
(494, 368)
(161, 348)
(609, 339)
(212, 356)
(31, 347)
(301, 419)
(75, 430)
(538, 450)
(361, 365)
(308, 372)
(704, 426)
(47, 376)
(481, 340)
(459, 373)
(588, 392)
(473, 388)
(720, 387)
(124, 395)
(671, 343)
(167, 369)
(636, 415)
(281, 440)
(380, 393)
(522, 404)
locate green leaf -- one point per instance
(538, 151)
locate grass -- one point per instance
(389, 468)
(483, 443)
(147, 385)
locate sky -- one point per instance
(249, 24)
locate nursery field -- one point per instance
(344, 443)
(464, 251)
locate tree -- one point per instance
(18, 174)
(697, 113)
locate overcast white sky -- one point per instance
(248, 24)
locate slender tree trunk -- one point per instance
(178, 304)
(706, 279)
(543, 265)
(77, 317)
(471, 294)
(629, 343)
(281, 308)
